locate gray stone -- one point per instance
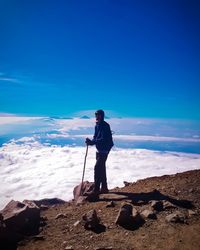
(81, 200)
(85, 192)
(90, 220)
(103, 248)
(157, 205)
(83, 189)
(111, 204)
(176, 218)
(46, 202)
(18, 220)
(191, 213)
(126, 183)
(168, 205)
(136, 217)
(148, 214)
(21, 217)
(38, 237)
(125, 214)
(60, 216)
(139, 202)
(77, 223)
(128, 216)
(43, 207)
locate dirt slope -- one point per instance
(181, 190)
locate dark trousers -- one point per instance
(100, 171)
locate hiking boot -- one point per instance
(104, 191)
(92, 193)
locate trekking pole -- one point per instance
(84, 169)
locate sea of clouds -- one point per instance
(42, 157)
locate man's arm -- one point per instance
(93, 141)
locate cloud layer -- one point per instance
(43, 156)
(31, 170)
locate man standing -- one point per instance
(103, 140)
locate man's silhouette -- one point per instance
(103, 140)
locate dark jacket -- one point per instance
(103, 137)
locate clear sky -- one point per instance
(136, 58)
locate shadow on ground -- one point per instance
(143, 198)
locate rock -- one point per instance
(29, 203)
(83, 192)
(113, 196)
(8, 237)
(64, 243)
(128, 216)
(191, 190)
(38, 237)
(176, 218)
(111, 204)
(137, 219)
(191, 213)
(125, 214)
(21, 218)
(103, 248)
(43, 207)
(148, 214)
(46, 202)
(126, 183)
(168, 205)
(77, 223)
(157, 205)
(69, 248)
(60, 215)
(81, 200)
(90, 219)
(82, 189)
(139, 203)
(18, 220)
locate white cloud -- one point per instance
(25, 139)
(162, 128)
(154, 138)
(54, 136)
(65, 125)
(135, 138)
(124, 126)
(31, 170)
(16, 119)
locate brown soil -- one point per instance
(179, 189)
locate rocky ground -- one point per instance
(168, 209)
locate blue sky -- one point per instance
(136, 58)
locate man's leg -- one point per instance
(104, 186)
(97, 173)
